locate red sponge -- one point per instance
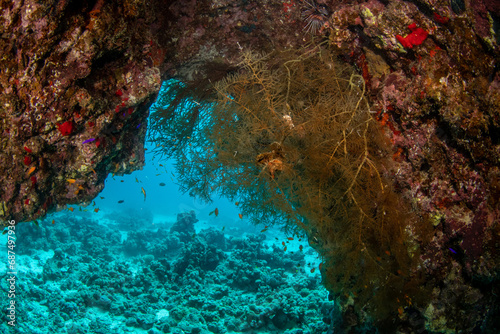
(66, 128)
(417, 37)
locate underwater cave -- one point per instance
(250, 167)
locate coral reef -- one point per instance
(78, 78)
(78, 270)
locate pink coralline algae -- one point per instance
(417, 37)
(66, 128)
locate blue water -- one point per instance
(130, 268)
(160, 199)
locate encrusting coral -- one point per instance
(291, 138)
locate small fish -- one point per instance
(71, 181)
(452, 250)
(290, 238)
(161, 165)
(88, 140)
(136, 180)
(301, 248)
(93, 204)
(264, 230)
(31, 170)
(36, 223)
(121, 201)
(80, 208)
(283, 243)
(223, 228)
(158, 174)
(284, 249)
(71, 209)
(144, 192)
(216, 212)
(101, 197)
(80, 187)
(162, 184)
(5, 232)
(312, 270)
(388, 253)
(96, 210)
(320, 265)
(236, 203)
(240, 215)
(122, 181)
(53, 221)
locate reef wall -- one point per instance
(78, 78)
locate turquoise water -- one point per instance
(140, 267)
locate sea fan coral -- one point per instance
(290, 137)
